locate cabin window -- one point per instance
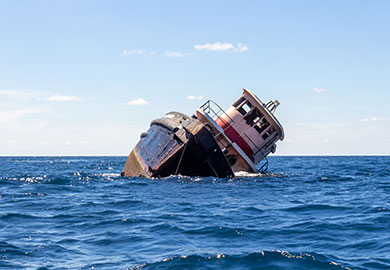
(245, 108)
(253, 116)
(268, 133)
(261, 126)
(239, 102)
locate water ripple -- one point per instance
(306, 213)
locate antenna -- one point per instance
(272, 105)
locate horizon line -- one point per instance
(278, 155)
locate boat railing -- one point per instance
(264, 167)
(213, 110)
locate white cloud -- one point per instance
(326, 140)
(173, 54)
(219, 46)
(126, 52)
(241, 48)
(319, 90)
(371, 119)
(339, 126)
(58, 98)
(17, 94)
(137, 102)
(86, 142)
(14, 115)
(195, 97)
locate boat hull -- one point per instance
(177, 144)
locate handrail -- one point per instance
(207, 106)
(264, 168)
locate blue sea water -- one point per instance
(305, 213)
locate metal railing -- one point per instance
(264, 167)
(211, 107)
(214, 111)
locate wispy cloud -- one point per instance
(339, 126)
(218, 46)
(319, 90)
(173, 54)
(11, 116)
(15, 94)
(221, 46)
(241, 47)
(370, 119)
(126, 52)
(18, 94)
(58, 98)
(194, 97)
(137, 102)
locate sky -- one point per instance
(87, 77)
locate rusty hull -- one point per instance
(177, 144)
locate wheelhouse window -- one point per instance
(253, 116)
(261, 125)
(239, 102)
(268, 133)
(245, 108)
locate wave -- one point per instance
(316, 207)
(269, 259)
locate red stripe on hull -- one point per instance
(234, 136)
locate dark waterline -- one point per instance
(306, 213)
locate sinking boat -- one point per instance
(212, 142)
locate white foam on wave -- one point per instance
(247, 174)
(110, 174)
(257, 175)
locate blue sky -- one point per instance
(87, 77)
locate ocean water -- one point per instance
(305, 213)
